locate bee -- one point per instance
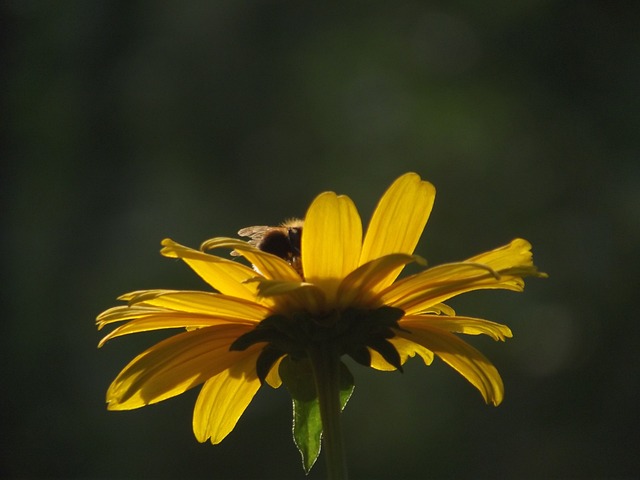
(283, 241)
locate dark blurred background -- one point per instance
(126, 122)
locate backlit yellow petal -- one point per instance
(517, 253)
(406, 349)
(123, 313)
(466, 325)
(398, 220)
(175, 365)
(502, 268)
(162, 309)
(224, 398)
(198, 302)
(224, 275)
(168, 320)
(331, 241)
(361, 285)
(419, 292)
(439, 309)
(462, 357)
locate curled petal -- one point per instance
(462, 357)
(406, 349)
(513, 256)
(420, 292)
(226, 276)
(439, 309)
(455, 324)
(502, 268)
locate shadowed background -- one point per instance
(128, 122)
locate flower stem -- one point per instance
(326, 370)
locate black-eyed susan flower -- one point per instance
(299, 308)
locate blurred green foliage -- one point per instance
(129, 121)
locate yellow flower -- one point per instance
(346, 292)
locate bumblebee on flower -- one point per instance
(335, 292)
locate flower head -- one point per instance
(342, 291)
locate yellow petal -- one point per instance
(406, 349)
(206, 303)
(122, 313)
(361, 285)
(174, 365)
(439, 309)
(165, 320)
(502, 268)
(516, 253)
(269, 266)
(224, 398)
(398, 220)
(466, 325)
(462, 357)
(224, 275)
(162, 309)
(421, 291)
(331, 241)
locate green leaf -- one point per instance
(297, 376)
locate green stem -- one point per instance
(325, 362)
